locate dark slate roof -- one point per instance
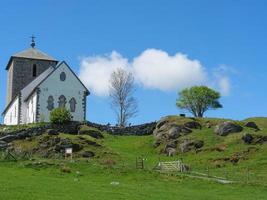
(28, 90)
(31, 53)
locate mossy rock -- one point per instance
(93, 132)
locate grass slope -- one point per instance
(92, 179)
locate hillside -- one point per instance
(111, 174)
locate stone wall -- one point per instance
(142, 129)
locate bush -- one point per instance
(60, 116)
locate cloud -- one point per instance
(221, 79)
(95, 71)
(158, 70)
(152, 69)
(224, 85)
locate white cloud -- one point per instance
(222, 80)
(154, 69)
(95, 71)
(224, 85)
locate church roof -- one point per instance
(31, 53)
(27, 91)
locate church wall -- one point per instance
(30, 114)
(11, 117)
(70, 88)
(22, 75)
(9, 84)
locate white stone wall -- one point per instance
(11, 116)
(31, 105)
(53, 86)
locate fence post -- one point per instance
(247, 175)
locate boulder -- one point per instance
(193, 125)
(170, 151)
(88, 154)
(9, 138)
(52, 132)
(174, 132)
(85, 130)
(188, 145)
(247, 138)
(3, 145)
(171, 144)
(252, 125)
(226, 128)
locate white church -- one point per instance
(36, 84)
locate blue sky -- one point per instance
(227, 38)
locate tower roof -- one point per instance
(31, 53)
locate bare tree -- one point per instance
(121, 95)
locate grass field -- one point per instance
(27, 180)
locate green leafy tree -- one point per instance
(60, 116)
(198, 99)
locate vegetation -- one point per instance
(198, 99)
(121, 95)
(60, 116)
(111, 174)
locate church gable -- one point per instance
(62, 88)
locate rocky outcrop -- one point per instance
(252, 125)
(85, 130)
(169, 134)
(226, 128)
(88, 154)
(254, 139)
(188, 145)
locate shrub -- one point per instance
(60, 116)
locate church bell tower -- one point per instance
(24, 67)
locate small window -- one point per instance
(50, 103)
(62, 76)
(62, 101)
(34, 70)
(72, 104)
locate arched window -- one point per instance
(72, 103)
(34, 70)
(62, 76)
(50, 103)
(62, 101)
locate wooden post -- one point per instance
(247, 176)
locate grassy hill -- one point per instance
(111, 174)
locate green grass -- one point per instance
(20, 181)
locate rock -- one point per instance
(85, 130)
(226, 128)
(52, 132)
(88, 154)
(188, 145)
(174, 132)
(76, 147)
(252, 125)
(9, 138)
(171, 144)
(161, 122)
(3, 145)
(247, 138)
(259, 139)
(193, 125)
(170, 151)
(198, 144)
